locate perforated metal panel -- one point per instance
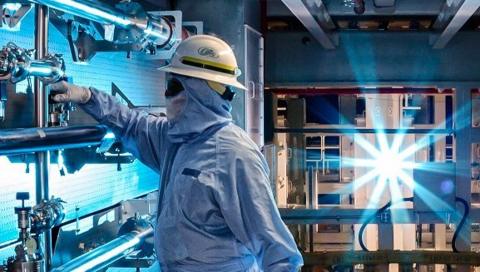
(94, 186)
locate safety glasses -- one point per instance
(174, 87)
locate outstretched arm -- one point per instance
(142, 134)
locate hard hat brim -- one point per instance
(230, 81)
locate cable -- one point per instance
(466, 211)
(389, 204)
(379, 211)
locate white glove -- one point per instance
(70, 93)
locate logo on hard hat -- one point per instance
(207, 51)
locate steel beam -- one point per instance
(463, 151)
(314, 16)
(461, 11)
(331, 215)
(352, 130)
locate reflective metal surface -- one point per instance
(157, 30)
(108, 253)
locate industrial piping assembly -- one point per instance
(132, 236)
(32, 222)
(16, 64)
(125, 27)
(155, 30)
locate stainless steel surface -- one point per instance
(254, 98)
(462, 13)
(26, 265)
(156, 30)
(12, 14)
(27, 258)
(41, 110)
(47, 214)
(16, 64)
(108, 253)
(355, 216)
(315, 20)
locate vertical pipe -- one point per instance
(41, 110)
(310, 204)
(463, 151)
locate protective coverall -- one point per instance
(217, 212)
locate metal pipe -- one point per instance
(17, 64)
(106, 254)
(157, 30)
(46, 69)
(41, 110)
(350, 130)
(26, 140)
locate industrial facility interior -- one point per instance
(367, 112)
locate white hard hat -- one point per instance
(206, 57)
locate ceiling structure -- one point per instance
(325, 18)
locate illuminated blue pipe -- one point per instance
(105, 255)
(156, 30)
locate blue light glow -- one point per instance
(389, 161)
(109, 135)
(88, 12)
(12, 6)
(40, 71)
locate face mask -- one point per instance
(175, 106)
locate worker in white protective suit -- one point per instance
(216, 210)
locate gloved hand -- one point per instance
(70, 93)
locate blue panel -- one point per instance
(13, 179)
(98, 186)
(328, 199)
(322, 109)
(94, 186)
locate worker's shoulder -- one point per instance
(233, 140)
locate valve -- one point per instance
(16, 64)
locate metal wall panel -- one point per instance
(94, 186)
(370, 57)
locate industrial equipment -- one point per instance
(372, 169)
(17, 64)
(125, 27)
(132, 236)
(32, 222)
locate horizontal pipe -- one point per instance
(46, 69)
(336, 215)
(26, 140)
(350, 258)
(108, 253)
(311, 91)
(157, 30)
(364, 131)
